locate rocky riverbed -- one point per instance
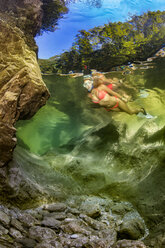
(80, 222)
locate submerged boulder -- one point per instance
(33, 227)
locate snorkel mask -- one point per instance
(88, 84)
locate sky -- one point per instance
(83, 16)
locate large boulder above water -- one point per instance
(22, 90)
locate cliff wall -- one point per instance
(22, 90)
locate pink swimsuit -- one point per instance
(110, 86)
(102, 94)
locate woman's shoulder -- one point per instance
(94, 90)
(102, 87)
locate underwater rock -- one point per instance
(17, 225)
(27, 219)
(26, 242)
(41, 233)
(132, 229)
(51, 222)
(49, 244)
(7, 142)
(4, 218)
(3, 230)
(76, 230)
(90, 209)
(55, 207)
(15, 233)
(129, 243)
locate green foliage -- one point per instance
(53, 10)
(69, 61)
(47, 66)
(113, 44)
(117, 43)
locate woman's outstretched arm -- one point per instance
(111, 92)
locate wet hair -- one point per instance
(96, 73)
(96, 81)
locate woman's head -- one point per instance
(88, 84)
(97, 80)
(98, 74)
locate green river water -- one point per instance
(69, 147)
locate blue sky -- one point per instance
(83, 16)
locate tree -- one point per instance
(115, 43)
(52, 10)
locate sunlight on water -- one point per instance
(45, 130)
(82, 150)
(61, 119)
(53, 125)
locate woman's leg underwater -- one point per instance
(124, 107)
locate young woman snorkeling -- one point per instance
(106, 97)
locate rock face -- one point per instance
(22, 90)
(25, 14)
